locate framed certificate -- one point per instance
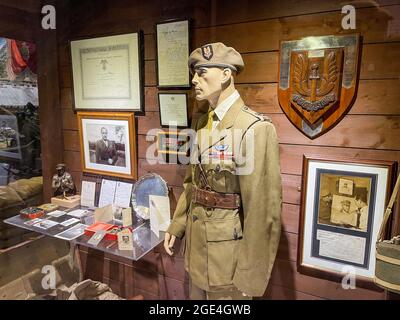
(107, 73)
(172, 41)
(108, 143)
(173, 109)
(343, 202)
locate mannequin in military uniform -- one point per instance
(230, 210)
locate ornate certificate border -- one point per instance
(107, 73)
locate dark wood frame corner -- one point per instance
(139, 111)
(128, 116)
(190, 46)
(317, 272)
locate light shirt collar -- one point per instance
(225, 105)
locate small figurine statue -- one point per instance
(63, 184)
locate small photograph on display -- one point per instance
(45, 224)
(72, 233)
(344, 201)
(346, 186)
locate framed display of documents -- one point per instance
(108, 143)
(173, 47)
(107, 73)
(343, 202)
(173, 109)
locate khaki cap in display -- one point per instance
(60, 166)
(216, 55)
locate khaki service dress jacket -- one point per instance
(227, 248)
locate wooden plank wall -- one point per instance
(254, 28)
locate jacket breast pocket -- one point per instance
(223, 237)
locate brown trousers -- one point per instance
(195, 293)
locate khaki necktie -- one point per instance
(210, 121)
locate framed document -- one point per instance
(108, 143)
(173, 109)
(342, 207)
(172, 54)
(173, 146)
(106, 73)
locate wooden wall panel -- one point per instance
(18, 23)
(373, 97)
(374, 23)
(254, 28)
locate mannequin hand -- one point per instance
(169, 241)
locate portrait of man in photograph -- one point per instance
(106, 152)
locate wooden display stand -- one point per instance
(68, 202)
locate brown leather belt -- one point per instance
(212, 199)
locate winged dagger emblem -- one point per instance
(313, 89)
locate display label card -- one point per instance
(57, 213)
(97, 237)
(88, 192)
(78, 213)
(72, 233)
(69, 222)
(45, 224)
(159, 213)
(125, 240)
(107, 192)
(104, 214)
(123, 192)
(127, 217)
(33, 221)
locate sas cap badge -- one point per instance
(207, 51)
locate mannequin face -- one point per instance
(208, 82)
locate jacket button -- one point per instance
(194, 218)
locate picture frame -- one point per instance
(116, 157)
(337, 231)
(173, 109)
(173, 145)
(107, 73)
(173, 44)
(10, 145)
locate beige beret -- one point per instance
(60, 166)
(216, 55)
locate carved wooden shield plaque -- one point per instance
(318, 81)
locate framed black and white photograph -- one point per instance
(342, 207)
(173, 49)
(9, 137)
(107, 73)
(173, 109)
(108, 143)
